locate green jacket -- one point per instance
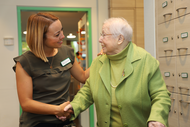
(141, 95)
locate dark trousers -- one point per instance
(53, 125)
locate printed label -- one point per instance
(165, 39)
(184, 75)
(65, 62)
(167, 74)
(184, 35)
(164, 4)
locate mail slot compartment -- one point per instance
(183, 71)
(165, 40)
(173, 114)
(166, 10)
(167, 68)
(182, 7)
(184, 110)
(182, 32)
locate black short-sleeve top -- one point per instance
(50, 86)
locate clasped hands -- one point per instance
(155, 124)
(66, 111)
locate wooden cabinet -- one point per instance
(183, 71)
(165, 43)
(166, 10)
(139, 21)
(173, 52)
(182, 7)
(173, 115)
(122, 3)
(167, 65)
(128, 14)
(133, 12)
(184, 110)
(182, 31)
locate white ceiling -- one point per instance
(69, 21)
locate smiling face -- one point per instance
(54, 36)
(108, 42)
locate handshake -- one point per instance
(65, 111)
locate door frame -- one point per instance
(63, 9)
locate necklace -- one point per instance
(50, 65)
(113, 86)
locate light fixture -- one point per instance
(24, 32)
(71, 36)
(83, 32)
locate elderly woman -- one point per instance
(125, 84)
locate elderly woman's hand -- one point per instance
(155, 124)
(68, 111)
(64, 114)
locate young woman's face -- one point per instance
(54, 35)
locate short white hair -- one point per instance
(120, 26)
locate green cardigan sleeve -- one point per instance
(82, 100)
(159, 94)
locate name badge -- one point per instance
(65, 62)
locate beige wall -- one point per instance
(9, 105)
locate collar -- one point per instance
(120, 55)
(133, 56)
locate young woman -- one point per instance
(43, 73)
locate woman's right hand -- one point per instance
(62, 113)
(155, 124)
(68, 111)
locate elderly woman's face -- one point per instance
(108, 42)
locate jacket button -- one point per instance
(125, 125)
(119, 106)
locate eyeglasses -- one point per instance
(103, 35)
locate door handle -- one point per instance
(181, 8)
(167, 14)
